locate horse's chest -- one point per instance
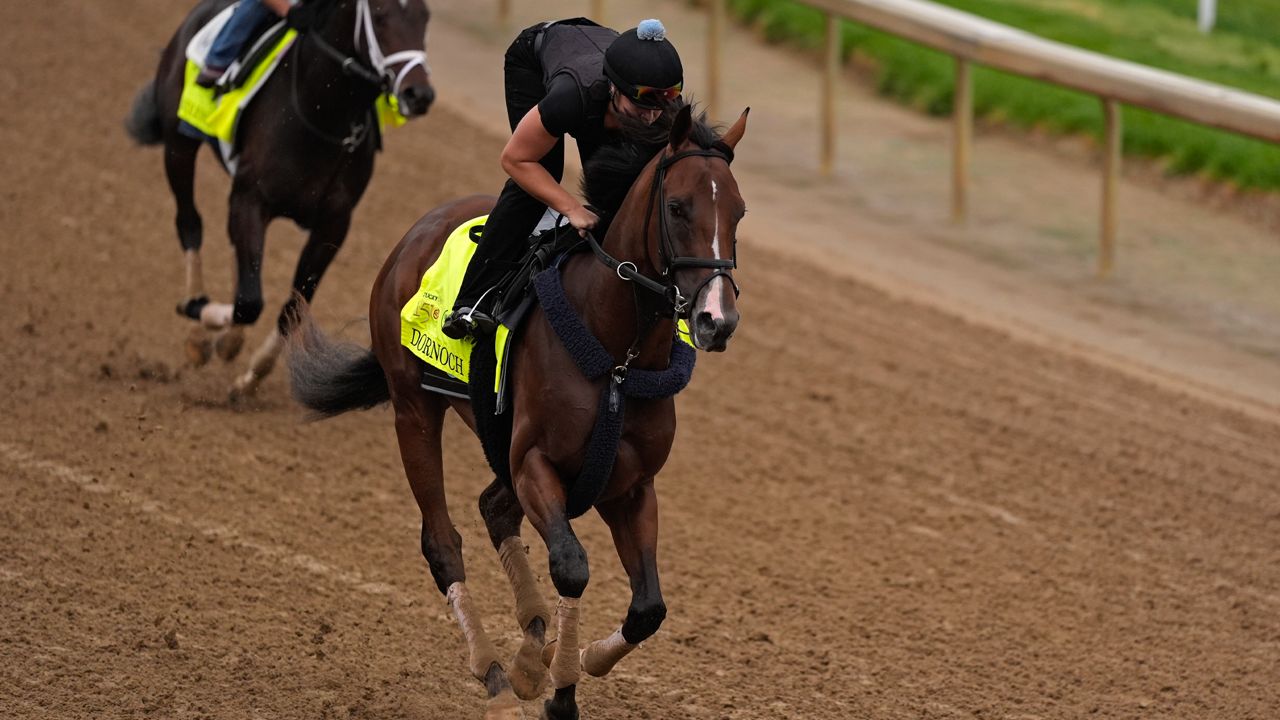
(648, 431)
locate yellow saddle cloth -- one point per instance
(216, 111)
(422, 315)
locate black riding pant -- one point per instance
(517, 212)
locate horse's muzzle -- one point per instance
(415, 100)
(712, 332)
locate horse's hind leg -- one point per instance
(180, 154)
(502, 516)
(321, 248)
(419, 420)
(633, 520)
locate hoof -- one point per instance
(503, 706)
(563, 710)
(198, 347)
(229, 343)
(528, 674)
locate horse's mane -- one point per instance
(609, 175)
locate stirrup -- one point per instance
(209, 77)
(467, 322)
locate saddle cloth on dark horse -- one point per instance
(213, 114)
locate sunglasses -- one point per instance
(654, 96)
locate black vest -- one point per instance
(576, 48)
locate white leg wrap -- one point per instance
(483, 653)
(527, 674)
(216, 316)
(195, 274)
(565, 667)
(515, 561)
(599, 657)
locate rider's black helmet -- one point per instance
(645, 66)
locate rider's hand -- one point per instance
(582, 219)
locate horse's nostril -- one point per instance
(418, 98)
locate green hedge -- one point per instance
(1243, 52)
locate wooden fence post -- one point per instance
(715, 36)
(829, 88)
(1110, 184)
(962, 140)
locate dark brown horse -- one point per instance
(306, 152)
(672, 236)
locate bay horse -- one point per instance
(306, 152)
(668, 253)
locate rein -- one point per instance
(595, 362)
(359, 131)
(375, 73)
(673, 303)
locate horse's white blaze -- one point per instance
(715, 290)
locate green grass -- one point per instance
(1243, 52)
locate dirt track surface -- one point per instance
(878, 512)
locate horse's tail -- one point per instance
(330, 377)
(143, 122)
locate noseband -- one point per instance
(374, 68)
(373, 71)
(673, 302)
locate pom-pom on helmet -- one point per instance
(645, 66)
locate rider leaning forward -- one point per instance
(575, 77)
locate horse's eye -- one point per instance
(676, 210)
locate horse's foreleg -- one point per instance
(419, 421)
(541, 495)
(502, 516)
(633, 520)
(322, 246)
(247, 226)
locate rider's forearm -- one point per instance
(538, 182)
(279, 7)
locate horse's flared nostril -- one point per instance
(417, 99)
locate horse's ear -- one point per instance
(681, 126)
(735, 133)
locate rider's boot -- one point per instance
(209, 76)
(464, 322)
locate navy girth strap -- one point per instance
(595, 362)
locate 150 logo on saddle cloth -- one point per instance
(429, 307)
